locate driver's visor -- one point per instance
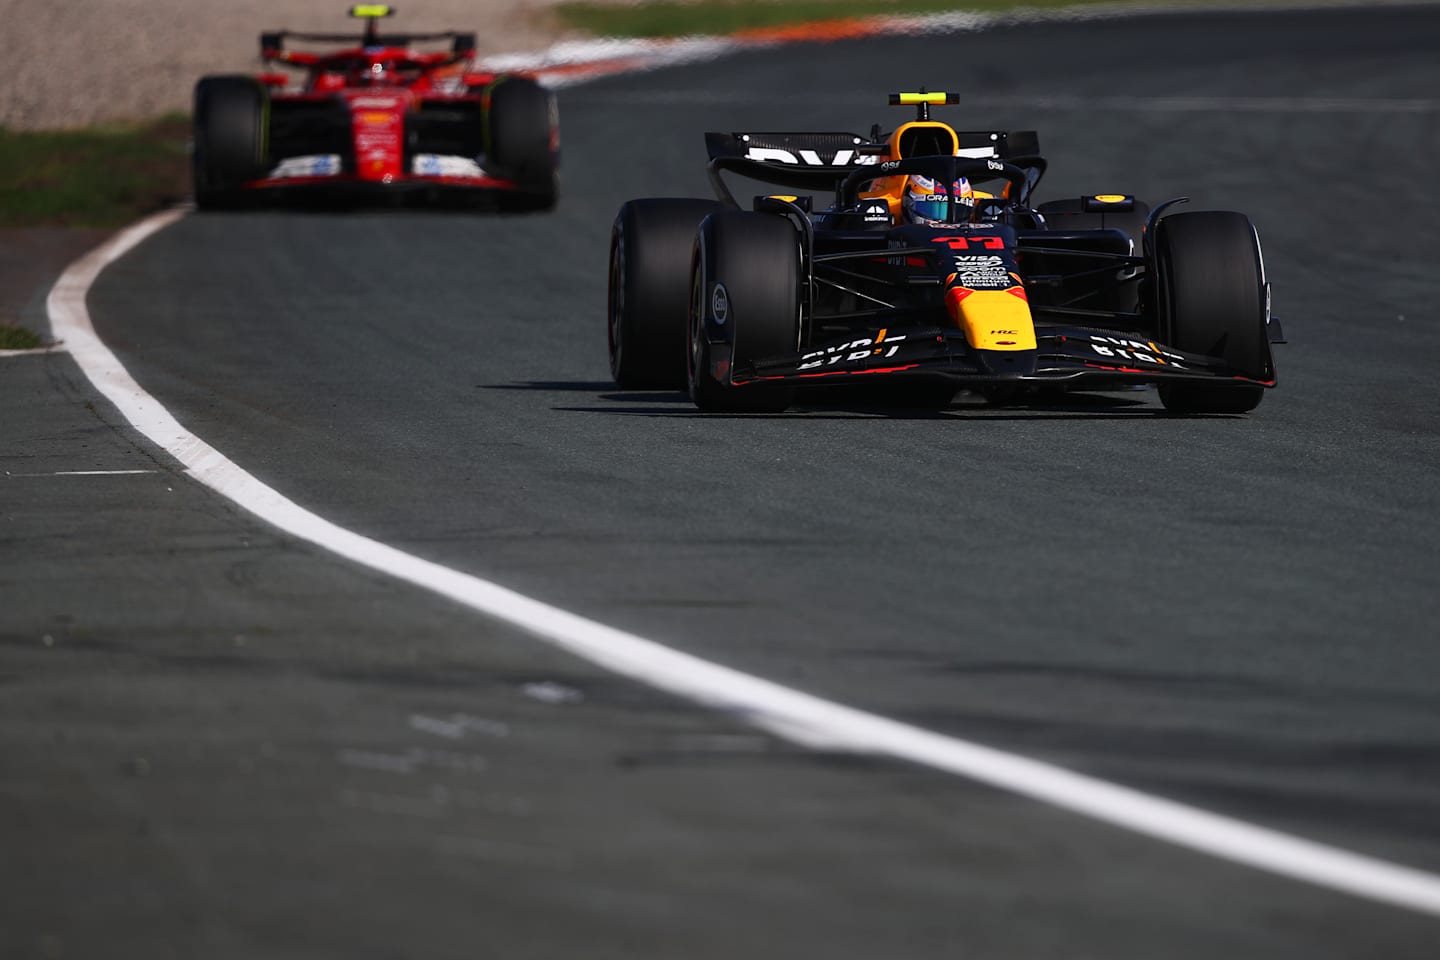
(939, 209)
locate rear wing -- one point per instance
(272, 44)
(821, 161)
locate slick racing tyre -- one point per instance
(745, 291)
(649, 294)
(1070, 214)
(1210, 298)
(519, 126)
(232, 118)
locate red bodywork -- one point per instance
(397, 100)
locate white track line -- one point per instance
(789, 714)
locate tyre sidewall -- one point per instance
(744, 306)
(1210, 300)
(231, 127)
(522, 136)
(649, 290)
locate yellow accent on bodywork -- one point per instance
(371, 10)
(910, 99)
(993, 319)
(780, 196)
(1111, 198)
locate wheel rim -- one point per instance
(616, 300)
(694, 356)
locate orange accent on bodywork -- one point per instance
(936, 125)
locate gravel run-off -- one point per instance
(76, 63)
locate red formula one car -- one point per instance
(378, 118)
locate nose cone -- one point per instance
(992, 319)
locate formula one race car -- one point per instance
(969, 286)
(380, 117)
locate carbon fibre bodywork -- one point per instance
(975, 287)
(1090, 293)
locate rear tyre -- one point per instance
(649, 294)
(1210, 299)
(520, 142)
(231, 135)
(1070, 214)
(745, 287)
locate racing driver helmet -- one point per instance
(373, 73)
(928, 202)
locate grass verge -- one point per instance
(673, 18)
(103, 177)
(17, 338)
(108, 177)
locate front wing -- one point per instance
(1063, 355)
(278, 183)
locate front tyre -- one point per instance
(231, 133)
(744, 307)
(1210, 298)
(522, 141)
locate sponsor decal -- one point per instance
(876, 212)
(809, 158)
(376, 145)
(981, 271)
(984, 279)
(1134, 350)
(855, 350)
(719, 303)
(376, 103)
(441, 165)
(1111, 197)
(995, 165)
(316, 165)
(375, 118)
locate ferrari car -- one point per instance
(378, 117)
(993, 293)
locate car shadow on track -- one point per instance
(831, 405)
(560, 386)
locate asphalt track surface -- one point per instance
(218, 742)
